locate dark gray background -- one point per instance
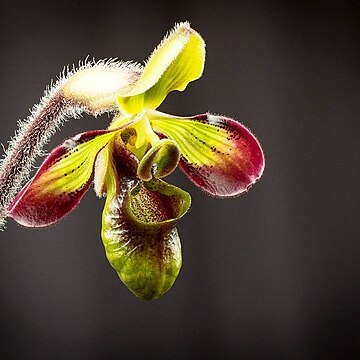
(273, 274)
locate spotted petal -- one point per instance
(139, 234)
(61, 181)
(178, 60)
(219, 155)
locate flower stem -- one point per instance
(27, 145)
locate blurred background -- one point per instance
(273, 274)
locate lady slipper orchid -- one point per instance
(127, 161)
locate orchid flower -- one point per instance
(127, 161)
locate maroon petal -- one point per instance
(219, 154)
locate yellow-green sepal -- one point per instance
(178, 60)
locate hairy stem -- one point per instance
(92, 88)
(27, 145)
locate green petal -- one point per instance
(139, 234)
(178, 60)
